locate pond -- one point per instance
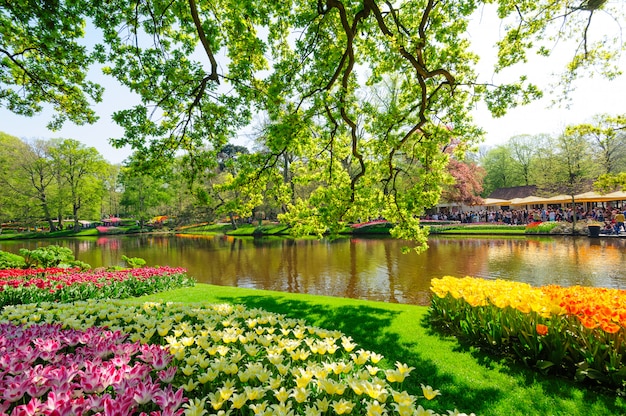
(363, 268)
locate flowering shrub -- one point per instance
(579, 331)
(227, 358)
(49, 370)
(20, 286)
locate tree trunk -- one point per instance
(575, 216)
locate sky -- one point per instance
(592, 96)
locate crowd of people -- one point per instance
(612, 218)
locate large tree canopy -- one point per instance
(361, 97)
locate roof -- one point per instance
(513, 192)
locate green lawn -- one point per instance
(46, 234)
(469, 380)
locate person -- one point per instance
(619, 221)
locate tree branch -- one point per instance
(203, 39)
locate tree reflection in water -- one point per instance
(363, 268)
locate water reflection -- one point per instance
(361, 268)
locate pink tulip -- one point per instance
(155, 355)
(13, 392)
(144, 392)
(33, 407)
(167, 375)
(167, 399)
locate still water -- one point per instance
(363, 268)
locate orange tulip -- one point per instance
(542, 329)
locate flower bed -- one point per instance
(224, 359)
(50, 370)
(21, 286)
(539, 227)
(577, 331)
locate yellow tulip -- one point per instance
(300, 394)
(375, 409)
(342, 407)
(239, 400)
(429, 393)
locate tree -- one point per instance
(34, 166)
(144, 196)
(80, 170)
(607, 138)
(467, 186)
(523, 150)
(201, 69)
(44, 60)
(500, 169)
(12, 202)
(111, 196)
(571, 168)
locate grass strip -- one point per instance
(470, 380)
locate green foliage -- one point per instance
(11, 261)
(45, 62)
(358, 109)
(134, 262)
(51, 256)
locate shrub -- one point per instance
(11, 261)
(134, 262)
(51, 256)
